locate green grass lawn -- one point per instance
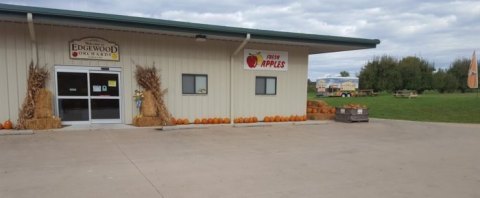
(461, 108)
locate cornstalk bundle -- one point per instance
(149, 80)
(37, 77)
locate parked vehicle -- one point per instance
(337, 86)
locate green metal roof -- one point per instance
(186, 27)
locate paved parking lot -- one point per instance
(377, 159)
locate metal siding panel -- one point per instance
(291, 86)
(4, 109)
(12, 73)
(22, 63)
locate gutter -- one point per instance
(240, 47)
(33, 41)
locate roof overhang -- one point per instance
(315, 43)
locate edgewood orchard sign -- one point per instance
(94, 49)
(265, 60)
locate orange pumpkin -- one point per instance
(8, 124)
(204, 121)
(275, 118)
(255, 119)
(210, 121)
(186, 121)
(226, 120)
(197, 121)
(297, 118)
(173, 121)
(1, 126)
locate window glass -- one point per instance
(271, 86)
(73, 109)
(201, 84)
(72, 84)
(265, 85)
(188, 84)
(194, 84)
(102, 84)
(260, 86)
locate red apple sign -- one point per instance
(252, 61)
(74, 54)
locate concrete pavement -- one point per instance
(383, 158)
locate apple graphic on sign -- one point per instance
(74, 54)
(252, 61)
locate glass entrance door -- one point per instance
(104, 97)
(88, 96)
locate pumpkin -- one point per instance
(226, 120)
(180, 121)
(8, 124)
(1, 126)
(277, 118)
(197, 121)
(266, 119)
(298, 118)
(255, 119)
(309, 110)
(309, 103)
(204, 121)
(173, 121)
(210, 121)
(185, 121)
(314, 110)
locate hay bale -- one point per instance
(147, 121)
(148, 108)
(148, 79)
(37, 77)
(43, 123)
(43, 104)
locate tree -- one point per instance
(381, 74)
(459, 69)
(444, 82)
(311, 86)
(344, 74)
(416, 73)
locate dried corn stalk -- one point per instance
(149, 80)
(37, 77)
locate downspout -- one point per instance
(32, 39)
(240, 47)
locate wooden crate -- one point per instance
(351, 115)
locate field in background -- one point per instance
(460, 108)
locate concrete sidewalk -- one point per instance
(378, 159)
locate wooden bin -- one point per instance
(351, 115)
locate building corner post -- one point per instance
(33, 39)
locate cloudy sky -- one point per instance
(436, 30)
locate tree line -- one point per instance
(387, 73)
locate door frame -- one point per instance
(88, 70)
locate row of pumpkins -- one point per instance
(6, 125)
(277, 118)
(183, 121)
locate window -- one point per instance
(194, 84)
(266, 86)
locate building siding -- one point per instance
(171, 55)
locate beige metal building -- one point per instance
(208, 71)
